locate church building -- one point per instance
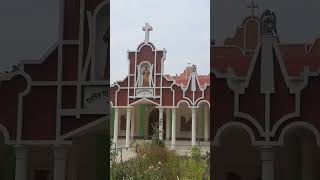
(53, 110)
(147, 99)
(266, 104)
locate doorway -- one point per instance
(154, 121)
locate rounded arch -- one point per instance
(4, 132)
(181, 102)
(299, 125)
(216, 141)
(203, 101)
(141, 45)
(100, 6)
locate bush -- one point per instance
(196, 152)
(155, 136)
(154, 162)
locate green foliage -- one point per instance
(196, 152)
(113, 153)
(155, 136)
(158, 163)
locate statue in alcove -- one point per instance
(146, 74)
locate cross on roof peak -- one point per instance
(252, 6)
(147, 28)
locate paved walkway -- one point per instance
(182, 148)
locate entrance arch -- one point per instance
(154, 120)
(235, 157)
(299, 156)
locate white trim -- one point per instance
(90, 47)
(85, 127)
(184, 101)
(142, 100)
(5, 133)
(203, 101)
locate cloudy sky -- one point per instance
(30, 27)
(297, 20)
(182, 27)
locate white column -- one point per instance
(167, 124)
(161, 123)
(116, 126)
(132, 123)
(267, 160)
(206, 123)
(59, 168)
(306, 159)
(193, 130)
(173, 128)
(21, 162)
(128, 127)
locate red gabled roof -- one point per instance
(295, 56)
(183, 78)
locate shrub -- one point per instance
(155, 136)
(155, 162)
(195, 152)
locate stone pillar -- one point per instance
(267, 163)
(167, 124)
(206, 123)
(21, 163)
(161, 123)
(59, 168)
(306, 158)
(193, 130)
(173, 128)
(116, 126)
(132, 123)
(128, 127)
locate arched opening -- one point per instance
(235, 158)
(183, 121)
(204, 121)
(299, 157)
(154, 122)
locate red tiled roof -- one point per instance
(183, 78)
(295, 56)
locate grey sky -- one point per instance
(182, 27)
(28, 29)
(297, 20)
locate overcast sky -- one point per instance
(297, 20)
(180, 26)
(30, 27)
